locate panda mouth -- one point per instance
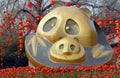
(67, 59)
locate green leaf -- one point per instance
(43, 77)
(92, 75)
(67, 75)
(2, 76)
(22, 76)
(75, 75)
(62, 76)
(50, 76)
(115, 76)
(38, 74)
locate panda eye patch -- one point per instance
(71, 27)
(49, 24)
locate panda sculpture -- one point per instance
(68, 36)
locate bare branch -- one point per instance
(14, 5)
(96, 6)
(75, 1)
(23, 10)
(45, 3)
(109, 7)
(114, 1)
(46, 8)
(24, 5)
(7, 5)
(35, 7)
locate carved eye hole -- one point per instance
(61, 46)
(71, 27)
(49, 24)
(72, 47)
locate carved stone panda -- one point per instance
(68, 36)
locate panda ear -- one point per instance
(87, 12)
(58, 4)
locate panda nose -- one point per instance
(67, 49)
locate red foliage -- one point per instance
(28, 19)
(10, 39)
(29, 4)
(100, 24)
(110, 71)
(78, 5)
(68, 3)
(1, 33)
(38, 3)
(26, 25)
(52, 2)
(20, 23)
(38, 17)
